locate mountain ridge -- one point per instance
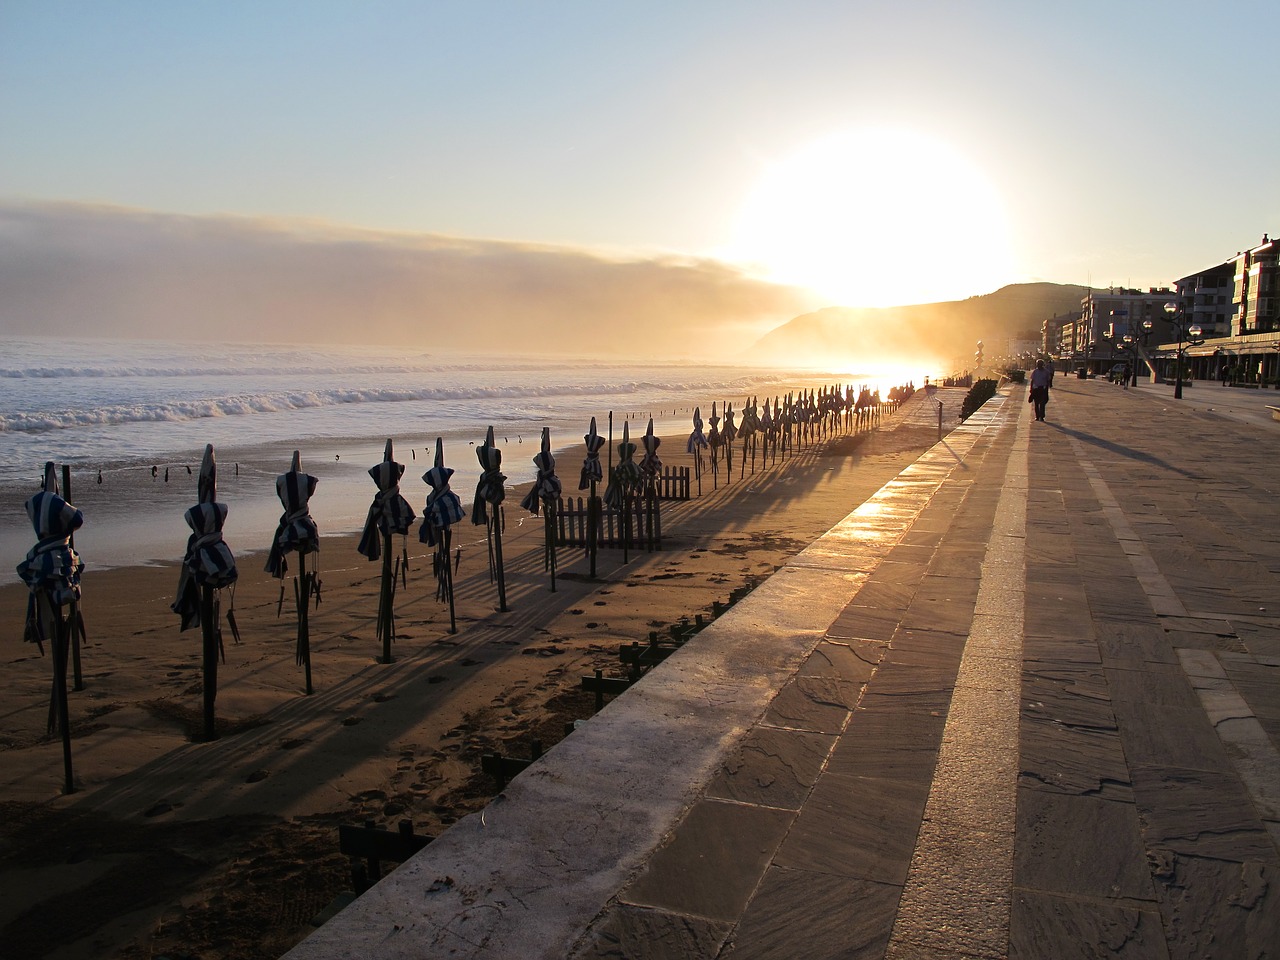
(939, 333)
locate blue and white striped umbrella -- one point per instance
(443, 508)
(491, 489)
(626, 476)
(650, 464)
(208, 562)
(389, 513)
(697, 439)
(730, 432)
(546, 487)
(52, 565)
(296, 531)
(591, 469)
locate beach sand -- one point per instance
(177, 848)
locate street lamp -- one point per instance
(1133, 344)
(1191, 335)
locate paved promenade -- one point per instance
(1024, 702)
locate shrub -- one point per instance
(978, 394)
(1017, 376)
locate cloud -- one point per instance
(78, 269)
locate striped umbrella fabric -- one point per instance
(443, 508)
(296, 531)
(546, 487)
(697, 439)
(52, 565)
(490, 491)
(591, 469)
(650, 463)
(626, 476)
(730, 432)
(208, 562)
(390, 512)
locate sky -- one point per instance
(760, 158)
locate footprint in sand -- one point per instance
(383, 697)
(257, 776)
(292, 744)
(351, 721)
(436, 678)
(576, 612)
(599, 603)
(471, 663)
(163, 806)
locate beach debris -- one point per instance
(486, 510)
(545, 495)
(51, 571)
(592, 474)
(208, 568)
(443, 509)
(697, 443)
(389, 514)
(297, 533)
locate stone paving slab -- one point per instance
(780, 794)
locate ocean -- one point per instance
(131, 420)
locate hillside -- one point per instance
(935, 334)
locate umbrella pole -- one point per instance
(593, 526)
(497, 559)
(446, 540)
(209, 634)
(304, 620)
(73, 616)
(549, 523)
(55, 629)
(385, 615)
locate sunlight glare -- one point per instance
(876, 218)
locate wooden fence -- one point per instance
(643, 532)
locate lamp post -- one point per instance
(1189, 334)
(1133, 345)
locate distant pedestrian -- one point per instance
(1040, 380)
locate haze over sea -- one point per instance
(122, 407)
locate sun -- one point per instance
(875, 217)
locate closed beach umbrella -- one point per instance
(389, 514)
(697, 443)
(486, 510)
(750, 426)
(650, 470)
(767, 429)
(297, 533)
(545, 495)
(207, 568)
(623, 486)
(592, 474)
(715, 442)
(443, 509)
(51, 571)
(729, 434)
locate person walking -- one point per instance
(1040, 380)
